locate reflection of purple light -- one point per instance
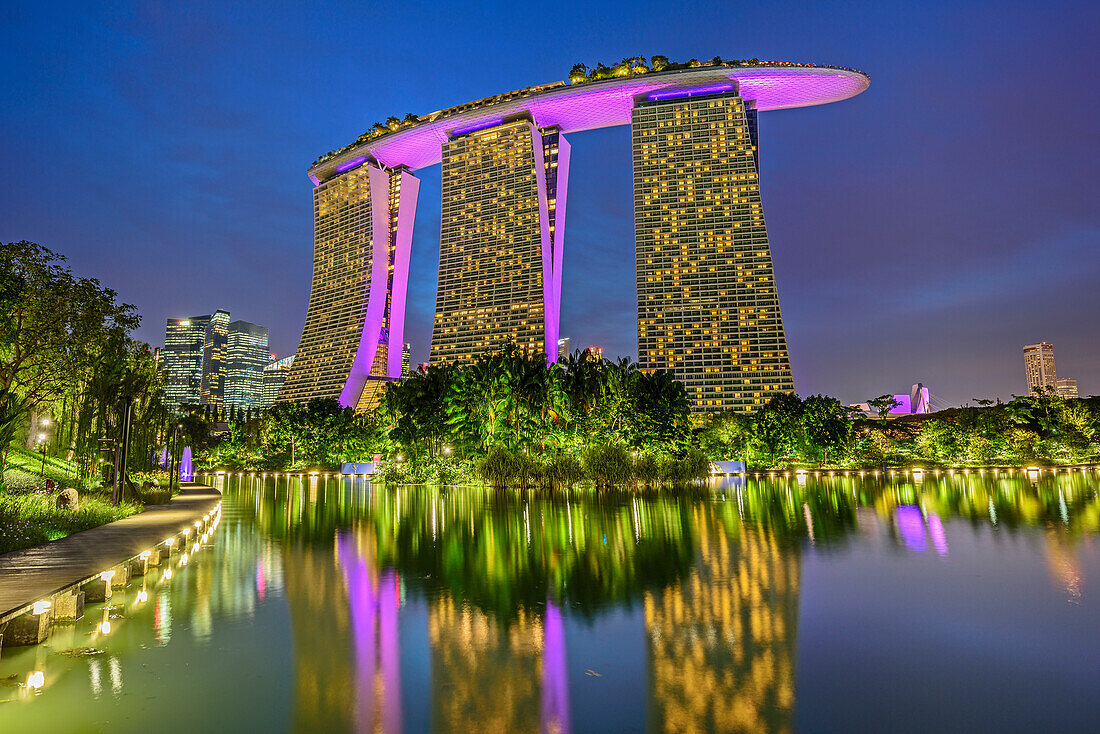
(555, 682)
(362, 610)
(676, 94)
(164, 458)
(390, 652)
(939, 538)
(483, 125)
(187, 470)
(351, 164)
(911, 526)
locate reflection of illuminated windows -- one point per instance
(722, 641)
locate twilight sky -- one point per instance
(924, 230)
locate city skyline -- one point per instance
(899, 175)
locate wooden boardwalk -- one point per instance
(36, 573)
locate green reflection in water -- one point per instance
(714, 578)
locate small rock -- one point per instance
(68, 499)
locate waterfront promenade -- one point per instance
(43, 571)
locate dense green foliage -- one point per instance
(787, 432)
(506, 418)
(68, 368)
(510, 421)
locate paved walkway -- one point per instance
(35, 573)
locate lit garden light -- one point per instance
(144, 555)
(41, 607)
(107, 576)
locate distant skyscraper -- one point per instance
(501, 235)
(183, 342)
(1039, 367)
(708, 309)
(214, 348)
(1066, 387)
(563, 348)
(246, 356)
(274, 376)
(406, 359)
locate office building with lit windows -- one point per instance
(1066, 387)
(182, 358)
(708, 306)
(500, 218)
(363, 219)
(209, 360)
(246, 357)
(1039, 367)
(214, 359)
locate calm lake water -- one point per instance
(958, 603)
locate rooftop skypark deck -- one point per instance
(591, 104)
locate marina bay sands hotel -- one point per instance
(708, 309)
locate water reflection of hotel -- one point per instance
(722, 642)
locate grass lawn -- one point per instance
(29, 515)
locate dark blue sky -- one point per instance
(924, 230)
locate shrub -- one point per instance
(608, 466)
(500, 467)
(563, 470)
(647, 469)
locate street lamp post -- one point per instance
(42, 448)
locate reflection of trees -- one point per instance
(722, 642)
(499, 552)
(324, 676)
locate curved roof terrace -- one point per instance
(595, 104)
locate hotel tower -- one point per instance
(363, 222)
(708, 307)
(500, 242)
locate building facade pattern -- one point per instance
(502, 225)
(246, 357)
(708, 306)
(362, 242)
(1039, 367)
(214, 359)
(182, 354)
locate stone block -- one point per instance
(138, 566)
(69, 607)
(28, 629)
(97, 591)
(121, 579)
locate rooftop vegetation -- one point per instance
(630, 65)
(579, 74)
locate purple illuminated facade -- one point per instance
(363, 239)
(505, 183)
(916, 402)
